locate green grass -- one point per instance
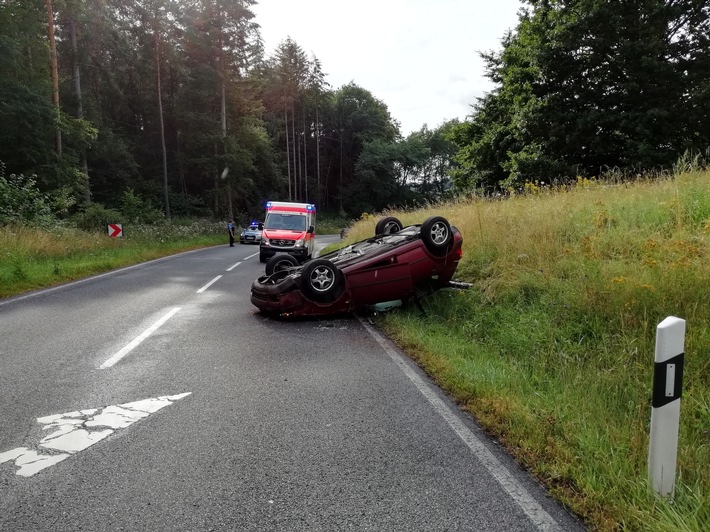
(552, 348)
(330, 225)
(32, 258)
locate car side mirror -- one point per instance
(311, 229)
(261, 227)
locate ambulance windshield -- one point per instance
(289, 222)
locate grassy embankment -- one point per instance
(552, 348)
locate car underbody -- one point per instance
(398, 263)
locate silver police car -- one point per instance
(252, 234)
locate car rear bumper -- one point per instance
(277, 297)
(285, 299)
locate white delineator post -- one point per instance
(665, 414)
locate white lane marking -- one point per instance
(75, 431)
(150, 330)
(209, 284)
(250, 256)
(517, 492)
(234, 266)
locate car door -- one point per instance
(385, 280)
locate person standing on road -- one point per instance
(230, 228)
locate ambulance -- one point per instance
(288, 228)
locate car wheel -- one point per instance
(280, 262)
(388, 225)
(322, 281)
(436, 234)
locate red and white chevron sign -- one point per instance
(115, 230)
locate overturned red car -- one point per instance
(396, 264)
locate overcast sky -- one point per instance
(418, 56)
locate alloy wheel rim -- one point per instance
(322, 278)
(439, 233)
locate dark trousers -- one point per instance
(231, 239)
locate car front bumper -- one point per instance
(300, 253)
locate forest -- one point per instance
(173, 107)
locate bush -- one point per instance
(188, 206)
(138, 210)
(96, 217)
(21, 201)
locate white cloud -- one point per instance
(418, 56)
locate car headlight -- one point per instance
(300, 243)
(265, 241)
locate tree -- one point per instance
(588, 85)
(289, 70)
(426, 160)
(160, 96)
(358, 118)
(54, 73)
(316, 90)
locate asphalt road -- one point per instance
(243, 422)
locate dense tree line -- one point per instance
(175, 103)
(587, 86)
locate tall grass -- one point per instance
(552, 348)
(32, 258)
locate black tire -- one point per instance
(322, 281)
(279, 262)
(436, 234)
(388, 225)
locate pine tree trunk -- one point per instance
(317, 157)
(55, 74)
(288, 153)
(293, 151)
(298, 153)
(223, 114)
(305, 158)
(166, 197)
(76, 74)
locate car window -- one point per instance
(294, 222)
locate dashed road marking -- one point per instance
(209, 284)
(150, 330)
